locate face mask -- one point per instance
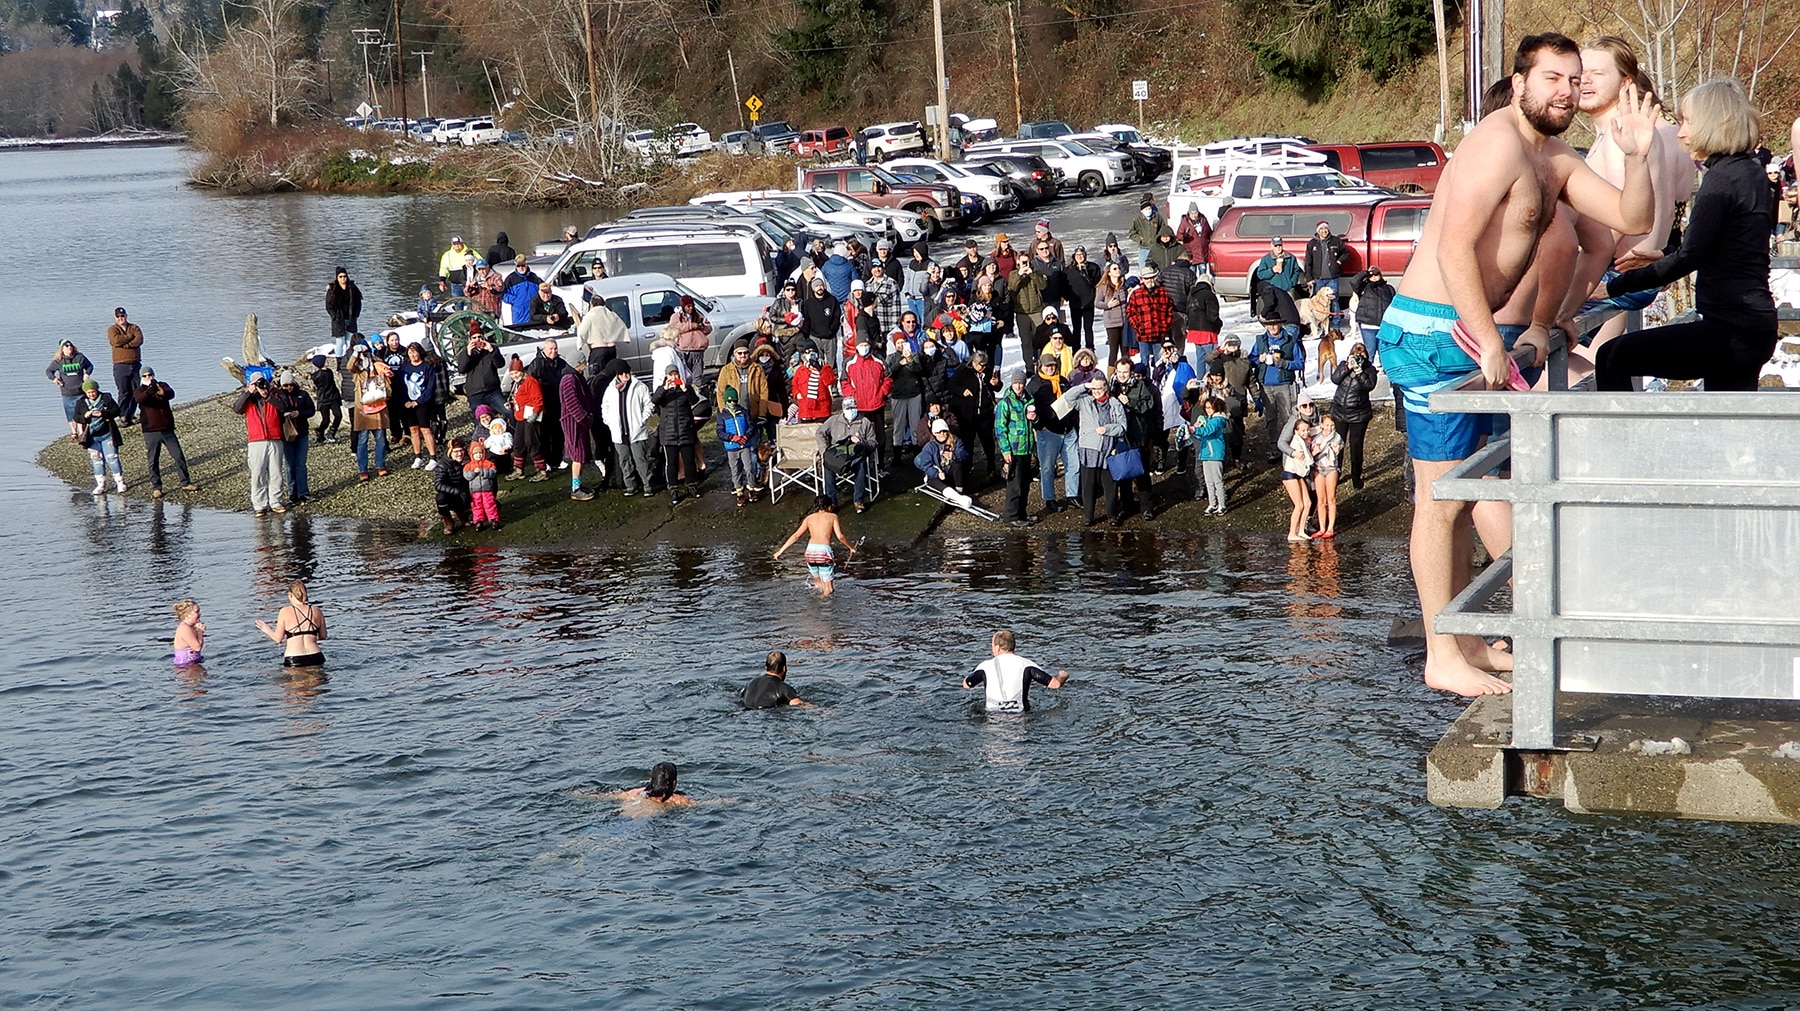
(849, 414)
(930, 350)
(1149, 212)
(863, 350)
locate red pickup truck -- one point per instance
(1409, 166)
(1378, 230)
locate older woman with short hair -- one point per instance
(1726, 245)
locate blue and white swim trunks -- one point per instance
(1420, 357)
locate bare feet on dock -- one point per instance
(1483, 655)
(1463, 679)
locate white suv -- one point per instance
(1083, 168)
(888, 140)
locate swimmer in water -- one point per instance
(301, 626)
(659, 793)
(819, 526)
(770, 690)
(1008, 677)
(190, 633)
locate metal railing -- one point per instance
(1655, 542)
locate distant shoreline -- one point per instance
(149, 139)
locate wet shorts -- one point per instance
(304, 660)
(819, 562)
(1420, 357)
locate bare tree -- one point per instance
(259, 72)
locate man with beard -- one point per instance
(1490, 209)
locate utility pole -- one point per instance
(1443, 123)
(587, 30)
(400, 65)
(1012, 29)
(736, 99)
(424, 82)
(943, 80)
(366, 37)
(329, 100)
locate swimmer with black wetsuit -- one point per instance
(1008, 677)
(770, 689)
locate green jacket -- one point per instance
(1011, 425)
(1145, 230)
(1028, 293)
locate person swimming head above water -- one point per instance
(662, 782)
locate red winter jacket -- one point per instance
(867, 380)
(812, 392)
(262, 421)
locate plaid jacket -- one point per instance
(1011, 425)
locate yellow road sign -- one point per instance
(754, 104)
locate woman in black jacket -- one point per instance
(973, 389)
(1350, 408)
(677, 433)
(343, 303)
(1726, 245)
(1079, 279)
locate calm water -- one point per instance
(1224, 808)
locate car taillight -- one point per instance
(1036, 174)
(762, 288)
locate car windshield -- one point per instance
(774, 129)
(885, 176)
(1077, 147)
(706, 305)
(1320, 181)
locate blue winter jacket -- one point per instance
(1209, 438)
(1293, 356)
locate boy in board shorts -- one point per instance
(819, 526)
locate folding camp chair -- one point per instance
(795, 463)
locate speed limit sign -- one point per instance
(1140, 91)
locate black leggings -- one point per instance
(1353, 446)
(330, 418)
(1727, 353)
(677, 457)
(1081, 324)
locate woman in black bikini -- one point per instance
(298, 627)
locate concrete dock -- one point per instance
(1733, 761)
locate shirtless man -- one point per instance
(1496, 198)
(1607, 65)
(819, 526)
(654, 797)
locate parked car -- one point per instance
(871, 184)
(645, 302)
(1254, 183)
(1125, 133)
(776, 137)
(1380, 229)
(690, 139)
(973, 131)
(710, 258)
(481, 131)
(738, 142)
(1088, 171)
(823, 142)
(838, 211)
(1049, 129)
(448, 131)
(1034, 175)
(892, 140)
(1148, 166)
(1001, 194)
(1403, 166)
(773, 227)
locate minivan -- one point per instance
(713, 260)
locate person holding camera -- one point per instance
(154, 400)
(481, 364)
(267, 460)
(1350, 407)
